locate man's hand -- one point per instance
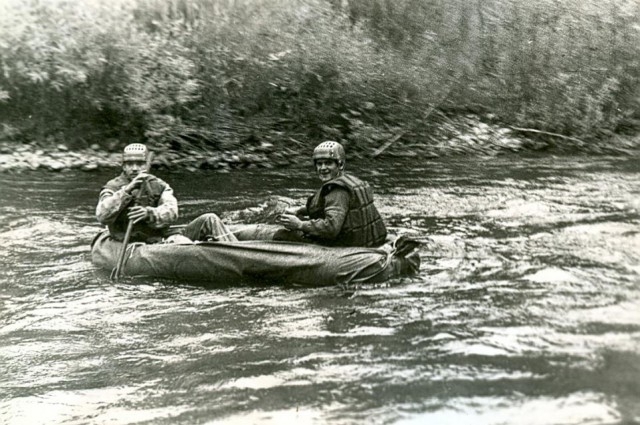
(136, 182)
(290, 221)
(297, 211)
(138, 214)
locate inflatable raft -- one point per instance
(257, 261)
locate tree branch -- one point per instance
(402, 133)
(533, 130)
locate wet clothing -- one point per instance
(162, 206)
(114, 204)
(342, 213)
(208, 227)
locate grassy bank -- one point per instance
(205, 75)
(466, 135)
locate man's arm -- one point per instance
(110, 204)
(335, 212)
(166, 212)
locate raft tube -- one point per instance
(251, 261)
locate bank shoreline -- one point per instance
(467, 136)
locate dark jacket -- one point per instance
(155, 194)
(363, 225)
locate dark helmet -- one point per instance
(135, 152)
(330, 150)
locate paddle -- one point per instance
(115, 275)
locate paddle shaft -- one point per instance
(127, 236)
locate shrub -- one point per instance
(202, 73)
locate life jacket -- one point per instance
(141, 232)
(363, 225)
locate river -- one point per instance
(526, 309)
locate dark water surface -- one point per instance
(526, 309)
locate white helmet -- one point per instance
(330, 150)
(135, 152)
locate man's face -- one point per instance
(327, 169)
(133, 168)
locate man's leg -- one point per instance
(290, 236)
(208, 227)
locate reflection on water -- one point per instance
(526, 310)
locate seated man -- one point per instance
(341, 212)
(153, 210)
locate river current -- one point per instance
(526, 309)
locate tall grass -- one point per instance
(202, 73)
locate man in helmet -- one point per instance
(154, 211)
(341, 212)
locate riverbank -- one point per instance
(465, 135)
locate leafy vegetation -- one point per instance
(202, 74)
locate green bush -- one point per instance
(570, 66)
(81, 72)
(206, 73)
